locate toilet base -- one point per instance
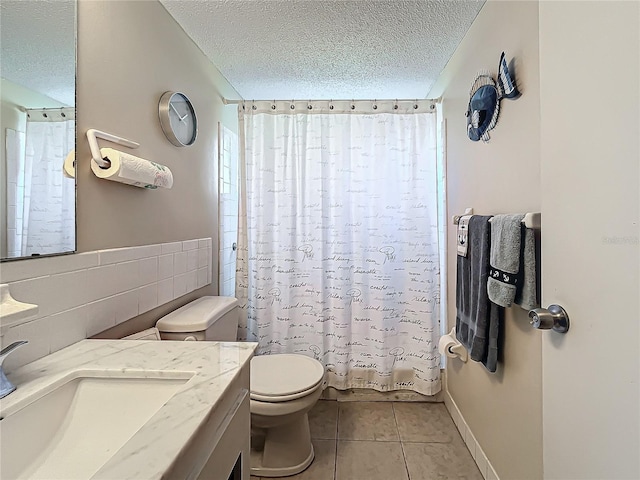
(282, 450)
(259, 471)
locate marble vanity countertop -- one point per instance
(212, 366)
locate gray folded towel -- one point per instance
(526, 291)
(477, 319)
(512, 278)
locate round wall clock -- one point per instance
(178, 119)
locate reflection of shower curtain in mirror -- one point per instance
(338, 241)
(43, 198)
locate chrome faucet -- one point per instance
(6, 387)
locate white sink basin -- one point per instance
(73, 427)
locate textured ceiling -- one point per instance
(37, 46)
(324, 49)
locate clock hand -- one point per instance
(185, 116)
(174, 109)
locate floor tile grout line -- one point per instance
(404, 455)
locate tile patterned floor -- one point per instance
(386, 441)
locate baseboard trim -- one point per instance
(484, 465)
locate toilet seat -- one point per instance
(283, 377)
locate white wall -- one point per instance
(502, 410)
(129, 53)
(590, 151)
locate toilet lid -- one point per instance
(283, 375)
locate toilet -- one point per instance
(284, 387)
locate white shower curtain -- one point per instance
(338, 239)
(46, 203)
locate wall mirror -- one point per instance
(38, 128)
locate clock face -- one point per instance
(178, 119)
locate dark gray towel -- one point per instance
(477, 319)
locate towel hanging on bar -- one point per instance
(531, 220)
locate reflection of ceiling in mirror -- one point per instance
(37, 46)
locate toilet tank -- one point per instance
(207, 318)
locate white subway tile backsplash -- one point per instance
(201, 277)
(117, 255)
(147, 298)
(54, 293)
(32, 289)
(165, 266)
(127, 254)
(40, 267)
(148, 270)
(203, 257)
(69, 289)
(192, 260)
(102, 282)
(101, 315)
(126, 305)
(179, 285)
(165, 291)
(67, 327)
(189, 245)
(147, 251)
(192, 280)
(179, 263)
(128, 274)
(171, 247)
(80, 295)
(37, 333)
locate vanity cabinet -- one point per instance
(220, 449)
(132, 409)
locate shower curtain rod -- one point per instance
(240, 102)
(44, 109)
